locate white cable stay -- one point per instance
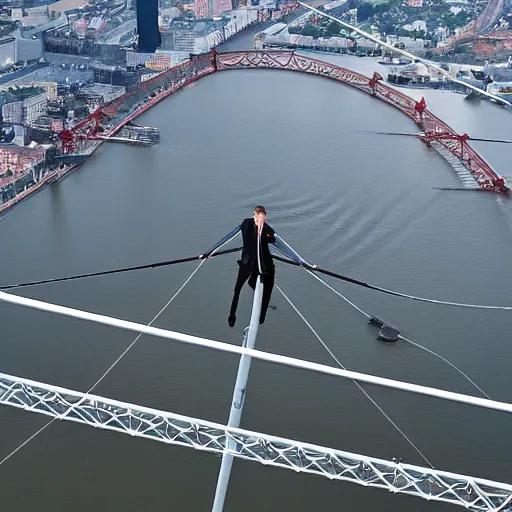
(256, 354)
(65, 404)
(405, 53)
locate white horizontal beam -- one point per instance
(257, 354)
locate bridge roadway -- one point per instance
(489, 15)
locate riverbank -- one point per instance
(48, 179)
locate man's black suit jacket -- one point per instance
(249, 252)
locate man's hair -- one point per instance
(260, 209)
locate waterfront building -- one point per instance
(156, 61)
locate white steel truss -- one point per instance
(65, 404)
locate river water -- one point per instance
(348, 200)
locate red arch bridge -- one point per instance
(470, 166)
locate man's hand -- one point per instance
(259, 220)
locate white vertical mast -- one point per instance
(237, 403)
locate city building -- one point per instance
(20, 167)
(30, 16)
(7, 52)
(13, 112)
(119, 75)
(23, 105)
(179, 38)
(200, 35)
(33, 107)
(156, 61)
(17, 48)
(50, 88)
(147, 25)
(28, 49)
(103, 92)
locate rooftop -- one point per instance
(66, 5)
(18, 94)
(7, 27)
(198, 26)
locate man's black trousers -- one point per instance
(245, 273)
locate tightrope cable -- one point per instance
(124, 269)
(357, 282)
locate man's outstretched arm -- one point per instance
(224, 240)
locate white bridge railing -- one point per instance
(95, 411)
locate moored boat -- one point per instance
(501, 89)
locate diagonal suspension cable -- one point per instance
(426, 349)
(355, 382)
(93, 387)
(400, 336)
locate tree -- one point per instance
(332, 29)
(311, 30)
(364, 11)
(452, 21)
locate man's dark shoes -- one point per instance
(231, 320)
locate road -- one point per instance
(489, 15)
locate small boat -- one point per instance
(395, 61)
(474, 77)
(142, 134)
(501, 83)
(126, 140)
(409, 80)
(501, 89)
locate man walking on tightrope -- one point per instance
(248, 264)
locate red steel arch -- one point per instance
(435, 130)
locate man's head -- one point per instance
(260, 215)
